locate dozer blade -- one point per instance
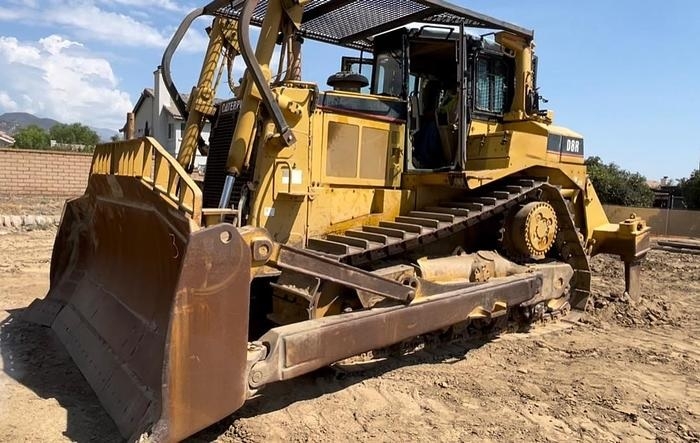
(152, 309)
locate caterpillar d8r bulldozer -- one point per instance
(424, 192)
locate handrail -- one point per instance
(146, 159)
(168, 55)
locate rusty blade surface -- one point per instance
(205, 374)
(154, 315)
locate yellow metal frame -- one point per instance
(296, 198)
(146, 159)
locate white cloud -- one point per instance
(15, 52)
(6, 102)
(9, 14)
(54, 44)
(166, 5)
(30, 3)
(59, 78)
(111, 27)
(196, 40)
(97, 20)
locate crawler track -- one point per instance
(371, 243)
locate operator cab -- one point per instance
(421, 67)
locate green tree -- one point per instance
(32, 137)
(690, 187)
(616, 186)
(74, 134)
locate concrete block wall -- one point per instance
(43, 173)
(676, 222)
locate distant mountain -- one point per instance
(12, 122)
(104, 133)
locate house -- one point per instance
(155, 115)
(6, 140)
(667, 194)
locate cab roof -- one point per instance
(353, 23)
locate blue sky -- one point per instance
(623, 73)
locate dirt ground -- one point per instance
(629, 371)
(23, 205)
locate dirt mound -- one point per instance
(622, 310)
(610, 304)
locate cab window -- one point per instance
(493, 90)
(388, 75)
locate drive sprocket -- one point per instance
(530, 231)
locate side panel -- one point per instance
(360, 151)
(335, 209)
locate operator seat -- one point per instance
(427, 146)
(347, 81)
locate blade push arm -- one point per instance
(255, 88)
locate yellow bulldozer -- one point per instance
(423, 192)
